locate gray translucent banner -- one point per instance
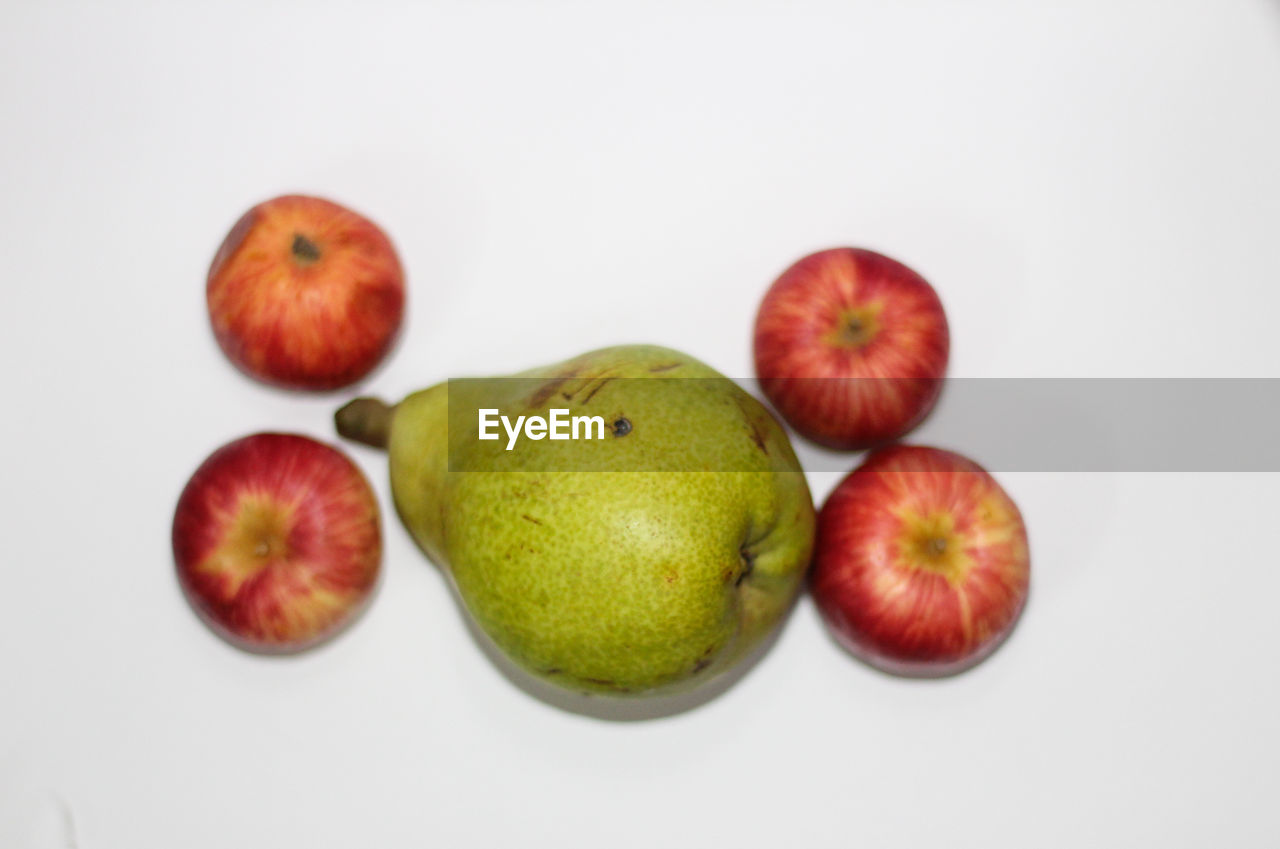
(607, 423)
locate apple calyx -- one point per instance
(305, 252)
(257, 540)
(856, 328)
(260, 533)
(931, 543)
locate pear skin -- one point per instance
(644, 562)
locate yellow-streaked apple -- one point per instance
(922, 566)
(305, 294)
(851, 347)
(277, 542)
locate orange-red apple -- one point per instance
(277, 542)
(922, 566)
(851, 347)
(305, 294)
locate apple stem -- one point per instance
(304, 250)
(365, 420)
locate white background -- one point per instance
(1094, 189)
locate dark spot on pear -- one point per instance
(622, 427)
(605, 682)
(757, 435)
(597, 388)
(529, 518)
(667, 367)
(549, 387)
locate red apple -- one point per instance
(277, 542)
(305, 294)
(921, 565)
(851, 347)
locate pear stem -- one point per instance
(365, 420)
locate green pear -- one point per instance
(645, 556)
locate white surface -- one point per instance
(1094, 191)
